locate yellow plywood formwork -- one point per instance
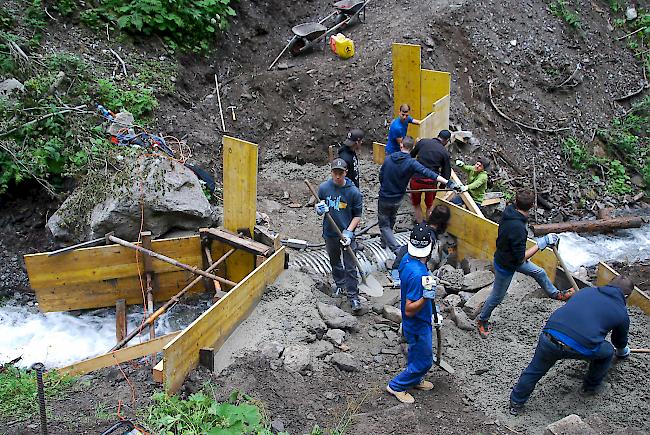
(116, 357)
(97, 277)
(378, 153)
(406, 81)
(214, 326)
(239, 199)
(638, 298)
(477, 238)
(434, 85)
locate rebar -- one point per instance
(39, 367)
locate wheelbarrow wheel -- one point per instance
(297, 46)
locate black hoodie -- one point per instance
(511, 241)
(350, 157)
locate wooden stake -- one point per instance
(148, 268)
(223, 124)
(120, 319)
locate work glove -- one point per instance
(460, 163)
(321, 208)
(452, 185)
(463, 188)
(347, 237)
(429, 284)
(623, 353)
(551, 239)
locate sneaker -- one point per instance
(402, 396)
(515, 408)
(424, 386)
(564, 295)
(356, 305)
(484, 328)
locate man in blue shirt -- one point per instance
(417, 294)
(398, 128)
(578, 331)
(341, 198)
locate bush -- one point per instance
(138, 101)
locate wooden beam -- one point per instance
(117, 357)
(145, 236)
(237, 241)
(215, 325)
(595, 226)
(638, 298)
(120, 320)
(406, 81)
(378, 153)
(267, 237)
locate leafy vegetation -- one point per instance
(18, 390)
(560, 8)
(638, 33)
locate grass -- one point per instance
(560, 8)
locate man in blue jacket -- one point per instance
(398, 128)
(340, 197)
(418, 290)
(578, 331)
(394, 175)
(512, 256)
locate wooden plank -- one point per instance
(214, 326)
(434, 85)
(236, 241)
(268, 237)
(378, 153)
(239, 199)
(490, 201)
(406, 81)
(120, 320)
(477, 238)
(638, 298)
(158, 372)
(118, 356)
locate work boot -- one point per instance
(564, 295)
(356, 305)
(424, 385)
(402, 396)
(484, 328)
(515, 408)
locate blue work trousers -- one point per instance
(387, 216)
(344, 272)
(502, 279)
(547, 353)
(419, 359)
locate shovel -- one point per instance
(566, 271)
(369, 285)
(437, 359)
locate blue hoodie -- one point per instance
(345, 203)
(590, 315)
(395, 173)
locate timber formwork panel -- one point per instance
(638, 298)
(476, 237)
(434, 85)
(214, 326)
(407, 81)
(378, 153)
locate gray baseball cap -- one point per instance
(339, 164)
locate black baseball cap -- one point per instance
(484, 161)
(339, 164)
(420, 241)
(444, 134)
(353, 136)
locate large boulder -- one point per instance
(477, 280)
(169, 194)
(336, 318)
(345, 362)
(297, 358)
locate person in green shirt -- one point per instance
(477, 179)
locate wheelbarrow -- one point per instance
(307, 35)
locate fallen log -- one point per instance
(596, 226)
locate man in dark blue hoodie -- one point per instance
(394, 175)
(341, 198)
(578, 331)
(512, 256)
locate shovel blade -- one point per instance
(371, 287)
(444, 365)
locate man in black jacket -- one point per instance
(348, 152)
(433, 155)
(512, 256)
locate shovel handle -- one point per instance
(640, 350)
(338, 231)
(566, 271)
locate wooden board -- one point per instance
(638, 298)
(434, 85)
(239, 199)
(118, 356)
(477, 238)
(215, 325)
(236, 241)
(378, 153)
(406, 81)
(99, 276)
(437, 120)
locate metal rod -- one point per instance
(39, 367)
(169, 303)
(77, 246)
(428, 190)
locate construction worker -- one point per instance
(578, 330)
(343, 201)
(398, 128)
(394, 175)
(512, 256)
(477, 178)
(433, 155)
(348, 152)
(417, 294)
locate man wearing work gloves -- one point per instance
(394, 175)
(512, 256)
(340, 197)
(578, 331)
(417, 294)
(477, 179)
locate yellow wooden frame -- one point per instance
(378, 153)
(406, 81)
(638, 298)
